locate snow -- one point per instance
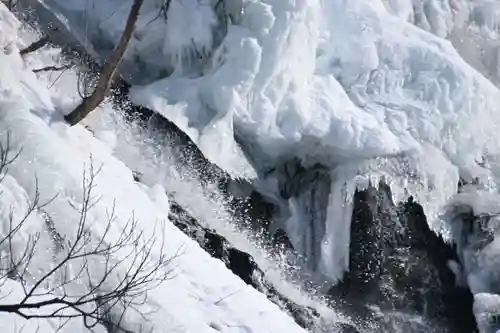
(12, 294)
(400, 90)
(471, 26)
(478, 250)
(192, 300)
(156, 167)
(363, 86)
(186, 303)
(486, 307)
(367, 94)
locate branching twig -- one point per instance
(10, 4)
(35, 45)
(52, 68)
(6, 157)
(93, 277)
(108, 72)
(162, 12)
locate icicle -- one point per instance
(334, 259)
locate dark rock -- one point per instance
(215, 245)
(280, 239)
(367, 240)
(344, 328)
(399, 264)
(241, 264)
(445, 299)
(254, 211)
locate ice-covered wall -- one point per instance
(199, 294)
(366, 88)
(472, 27)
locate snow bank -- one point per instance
(202, 295)
(323, 100)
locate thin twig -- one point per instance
(52, 68)
(35, 45)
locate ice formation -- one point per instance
(57, 155)
(404, 90)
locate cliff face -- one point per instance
(398, 264)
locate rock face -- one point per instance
(396, 262)
(241, 264)
(399, 264)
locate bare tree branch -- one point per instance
(162, 12)
(95, 277)
(10, 4)
(52, 68)
(6, 157)
(108, 71)
(35, 45)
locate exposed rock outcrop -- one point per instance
(241, 264)
(399, 264)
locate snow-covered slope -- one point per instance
(192, 300)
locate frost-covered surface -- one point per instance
(400, 89)
(193, 300)
(487, 309)
(368, 88)
(290, 81)
(472, 27)
(474, 216)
